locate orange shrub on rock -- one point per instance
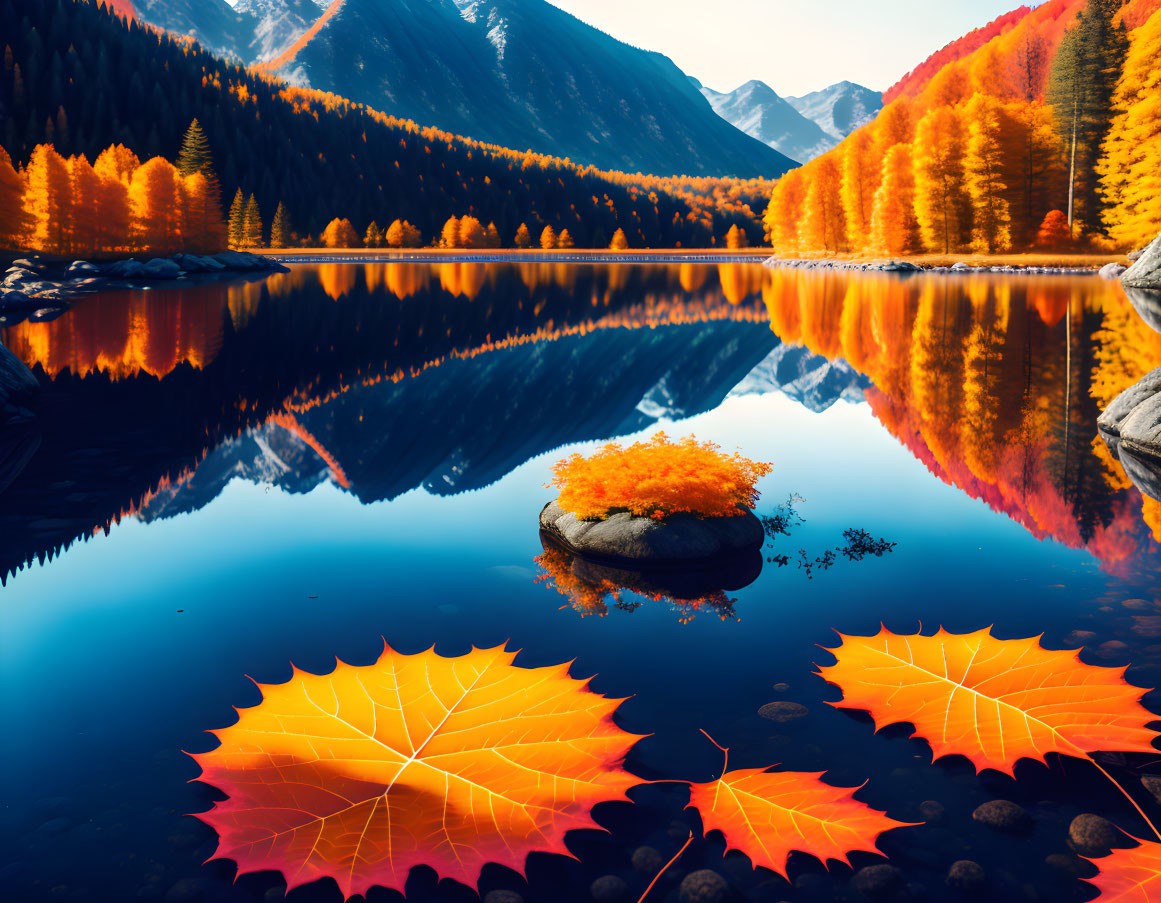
(657, 478)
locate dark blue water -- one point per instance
(229, 479)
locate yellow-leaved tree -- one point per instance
(823, 223)
(156, 203)
(13, 220)
(860, 180)
(893, 214)
(1131, 166)
(548, 238)
(983, 167)
(48, 200)
(942, 207)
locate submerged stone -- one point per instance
(680, 539)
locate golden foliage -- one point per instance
(993, 701)
(365, 772)
(656, 478)
(1130, 876)
(767, 815)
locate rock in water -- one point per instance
(1146, 270)
(966, 875)
(703, 886)
(1111, 271)
(1132, 422)
(680, 539)
(783, 712)
(1004, 815)
(16, 381)
(1091, 835)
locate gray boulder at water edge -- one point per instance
(1146, 270)
(1131, 426)
(680, 539)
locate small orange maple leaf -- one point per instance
(769, 814)
(1130, 876)
(365, 772)
(994, 701)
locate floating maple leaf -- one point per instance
(994, 701)
(1130, 876)
(362, 773)
(767, 815)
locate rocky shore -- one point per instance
(34, 283)
(1109, 271)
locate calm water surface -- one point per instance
(225, 479)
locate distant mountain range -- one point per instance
(802, 128)
(520, 73)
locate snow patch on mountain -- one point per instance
(839, 109)
(757, 110)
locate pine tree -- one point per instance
(523, 239)
(252, 225)
(1131, 167)
(373, 237)
(1081, 83)
(619, 242)
(280, 229)
(195, 157)
(236, 220)
(195, 153)
(492, 236)
(564, 240)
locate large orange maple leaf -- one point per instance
(362, 773)
(1130, 876)
(767, 815)
(994, 701)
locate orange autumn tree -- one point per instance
(656, 478)
(942, 205)
(156, 202)
(339, 233)
(1131, 166)
(14, 220)
(893, 224)
(983, 168)
(48, 200)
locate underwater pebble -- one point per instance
(608, 889)
(783, 711)
(966, 875)
(500, 895)
(647, 860)
(1091, 835)
(274, 894)
(186, 890)
(780, 688)
(931, 810)
(703, 886)
(878, 881)
(1004, 815)
(1138, 604)
(1152, 783)
(1069, 864)
(1112, 649)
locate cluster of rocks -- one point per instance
(34, 283)
(906, 266)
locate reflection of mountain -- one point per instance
(465, 424)
(810, 379)
(461, 372)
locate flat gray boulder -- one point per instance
(680, 540)
(1146, 269)
(1133, 421)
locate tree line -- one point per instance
(1046, 136)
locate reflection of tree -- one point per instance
(995, 385)
(591, 588)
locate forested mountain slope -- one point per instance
(83, 79)
(521, 73)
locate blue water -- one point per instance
(125, 647)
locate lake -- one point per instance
(224, 479)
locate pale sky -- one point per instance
(795, 46)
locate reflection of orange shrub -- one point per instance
(657, 478)
(590, 595)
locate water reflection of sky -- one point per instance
(123, 649)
